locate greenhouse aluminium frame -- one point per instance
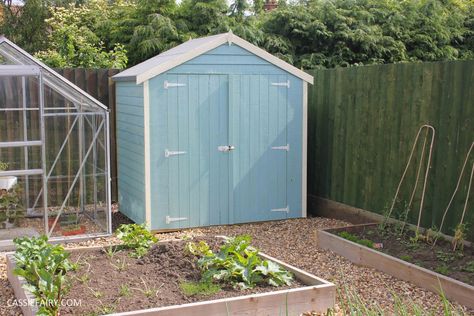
(67, 118)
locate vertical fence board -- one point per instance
(362, 124)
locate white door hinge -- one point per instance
(286, 209)
(282, 84)
(169, 219)
(167, 84)
(286, 147)
(169, 153)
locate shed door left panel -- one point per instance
(191, 186)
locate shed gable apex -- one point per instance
(194, 48)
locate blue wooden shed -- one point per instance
(211, 132)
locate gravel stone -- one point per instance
(293, 241)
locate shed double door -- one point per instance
(227, 149)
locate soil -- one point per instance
(152, 281)
(441, 258)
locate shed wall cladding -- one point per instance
(224, 97)
(130, 146)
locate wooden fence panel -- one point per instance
(98, 84)
(362, 125)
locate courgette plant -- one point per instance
(237, 263)
(137, 238)
(44, 267)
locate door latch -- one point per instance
(225, 148)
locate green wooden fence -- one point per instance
(362, 125)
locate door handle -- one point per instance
(225, 148)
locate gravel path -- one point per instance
(293, 241)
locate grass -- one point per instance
(199, 288)
(354, 238)
(353, 305)
(124, 290)
(443, 269)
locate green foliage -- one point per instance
(237, 263)
(3, 166)
(469, 267)
(459, 236)
(407, 258)
(73, 43)
(136, 237)
(199, 288)
(447, 257)
(44, 267)
(11, 206)
(351, 303)
(354, 238)
(124, 290)
(443, 269)
(308, 34)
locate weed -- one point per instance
(199, 288)
(124, 290)
(469, 267)
(121, 264)
(447, 257)
(459, 236)
(83, 278)
(147, 290)
(111, 251)
(407, 258)
(96, 294)
(354, 238)
(442, 269)
(107, 309)
(352, 304)
(136, 237)
(412, 244)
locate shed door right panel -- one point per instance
(258, 130)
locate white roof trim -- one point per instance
(52, 72)
(155, 71)
(272, 59)
(217, 41)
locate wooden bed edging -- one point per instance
(23, 296)
(453, 289)
(319, 295)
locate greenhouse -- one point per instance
(54, 153)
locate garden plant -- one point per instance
(44, 267)
(237, 263)
(137, 238)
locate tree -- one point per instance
(24, 23)
(238, 8)
(74, 44)
(306, 33)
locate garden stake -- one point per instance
(428, 128)
(455, 192)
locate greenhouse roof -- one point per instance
(11, 54)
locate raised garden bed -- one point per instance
(108, 282)
(398, 254)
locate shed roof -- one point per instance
(195, 47)
(54, 80)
